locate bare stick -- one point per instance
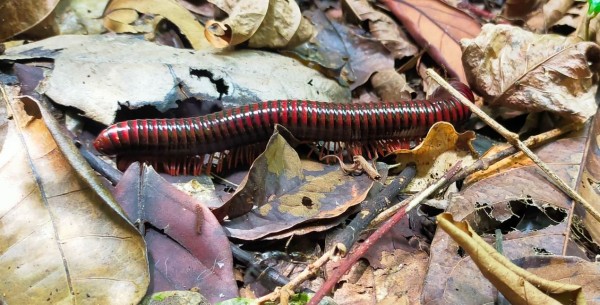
(289, 288)
(513, 139)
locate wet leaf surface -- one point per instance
(187, 245)
(79, 250)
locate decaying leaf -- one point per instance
(516, 284)
(346, 52)
(520, 8)
(439, 28)
(80, 16)
(518, 69)
(515, 198)
(18, 16)
(391, 85)
(439, 151)
(383, 28)
(264, 23)
(278, 193)
(192, 250)
(100, 74)
(121, 14)
(60, 241)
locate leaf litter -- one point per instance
(289, 205)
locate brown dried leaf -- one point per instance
(516, 284)
(18, 16)
(391, 85)
(514, 9)
(278, 193)
(383, 28)
(518, 69)
(532, 214)
(60, 241)
(121, 14)
(439, 28)
(439, 151)
(548, 14)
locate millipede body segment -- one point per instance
(358, 123)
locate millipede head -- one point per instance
(103, 144)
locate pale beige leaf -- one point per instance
(522, 70)
(60, 242)
(280, 23)
(548, 14)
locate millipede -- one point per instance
(189, 145)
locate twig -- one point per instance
(513, 139)
(285, 291)
(354, 256)
(485, 162)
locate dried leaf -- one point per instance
(113, 71)
(548, 14)
(264, 23)
(439, 151)
(516, 284)
(514, 9)
(383, 28)
(532, 214)
(192, 241)
(518, 69)
(346, 52)
(19, 16)
(437, 27)
(60, 240)
(391, 86)
(81, 16)
(279, 194)
(119, 14)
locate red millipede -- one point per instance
(180, 145)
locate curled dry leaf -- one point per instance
(18, 16)
(263, 23)
(391, 85)
(522, 70)
(439, 151)
(383, 28)
(121, 14)
(60, 241)
(516, 284)
(520, 8)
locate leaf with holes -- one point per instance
(515, 198)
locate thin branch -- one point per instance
(513, 139)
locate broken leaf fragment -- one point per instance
(263, 23)
(521, 70)
(121, 16)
